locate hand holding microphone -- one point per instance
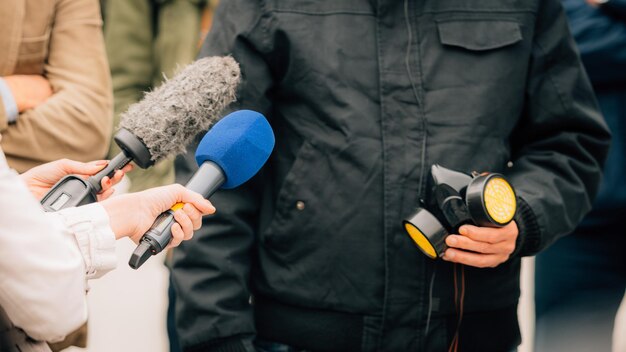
(129, 214)
(162, 124)
(132, 214)
(231, 152)
(40, 179)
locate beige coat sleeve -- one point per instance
(76, 122)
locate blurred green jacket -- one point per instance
(146, 41)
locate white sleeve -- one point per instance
(89, 224)
(44, 259)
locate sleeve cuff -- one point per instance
(96, 240)
(529, 237)
(10, 107)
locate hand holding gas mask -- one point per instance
(479, 207)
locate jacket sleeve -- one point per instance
(45, 259)
(561, 141)
(128, 35)
(211, 272)
(76, 121)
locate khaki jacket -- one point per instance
(61, 40)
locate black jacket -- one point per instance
(363, 97)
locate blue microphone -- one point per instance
(229, 154)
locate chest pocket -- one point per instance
(479, 35)
(32, 54)
(473, 51)
(475, 68)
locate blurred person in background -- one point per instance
(146, 41)
(580, 280)
(46, 258)
(55, 88)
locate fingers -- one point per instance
(185, 223)
(177, 235)
(128, 168)
(194, 215)
(133, 214)
(490, 234)
(187, 219)
(482, 246)
(77, 167)
(107, 182)
(110, 182)
(474, 259)
(117, 177)
(186, 196)
(466, 243)
(105, 194)
(91, 168)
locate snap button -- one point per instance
(300, 205)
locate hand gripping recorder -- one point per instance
(457, 199)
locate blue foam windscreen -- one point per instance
(240, 143)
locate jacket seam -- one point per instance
(324, 13)
(551, 78)
(454, 19)
(257, 24)
(384, 177)
(486, 11)
(421, 104)
(418, 86)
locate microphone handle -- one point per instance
(205, 181)
(73, 190)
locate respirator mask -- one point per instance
(456, 199)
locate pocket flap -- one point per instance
(479, 34)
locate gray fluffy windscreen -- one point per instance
(170, 116)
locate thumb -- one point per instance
(186, 196)
(77, 167)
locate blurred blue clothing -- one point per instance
(610, 205)
(600, 33)
(580, 280)
(7, 99)
(579, 285)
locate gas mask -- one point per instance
(456, 199)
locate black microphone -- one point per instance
(162, 124)
(232, 152)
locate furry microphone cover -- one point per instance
(170, 116)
